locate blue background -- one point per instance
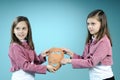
(57, 23)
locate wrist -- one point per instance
(69, 60)
(71, 55)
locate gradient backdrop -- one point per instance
(57, 23)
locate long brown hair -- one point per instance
(101, 17)
(29, 35)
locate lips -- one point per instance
(21, 35)
(91, 30)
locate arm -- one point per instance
(85, 52)
(21, 61)
(100, 53)
(42, 57)
(39, 59)
(74, 55)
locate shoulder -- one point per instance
(14, 45)
(13, 48)
(105, 40)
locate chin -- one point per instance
(92, 33)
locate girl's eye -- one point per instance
(17, 28)
(92, 23)
(24, 28)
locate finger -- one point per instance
(52, 70)
(47, 52)
(64, 51)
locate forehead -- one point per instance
(92, 19)
(21, 24)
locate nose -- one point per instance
(21, 30)
(89, 26)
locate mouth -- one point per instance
(21, 35)
(91, 30)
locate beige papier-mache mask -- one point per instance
(55, 56)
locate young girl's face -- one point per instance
(93, 26)
(21, 30)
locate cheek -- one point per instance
(98, 28)
(14, 32)
(88, 27)
(26, 31)
(26, 34)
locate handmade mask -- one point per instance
(55, 56)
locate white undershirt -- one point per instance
(100, 72)
(22, 75)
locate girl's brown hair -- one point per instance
(101, 17)
(29, 35)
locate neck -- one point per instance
(94, 36)
(23, 40)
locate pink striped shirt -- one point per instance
(99, 53)
(22, 57)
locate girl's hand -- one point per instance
(68, 52)
(45, 53)
(50, 68)
(65, 61)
